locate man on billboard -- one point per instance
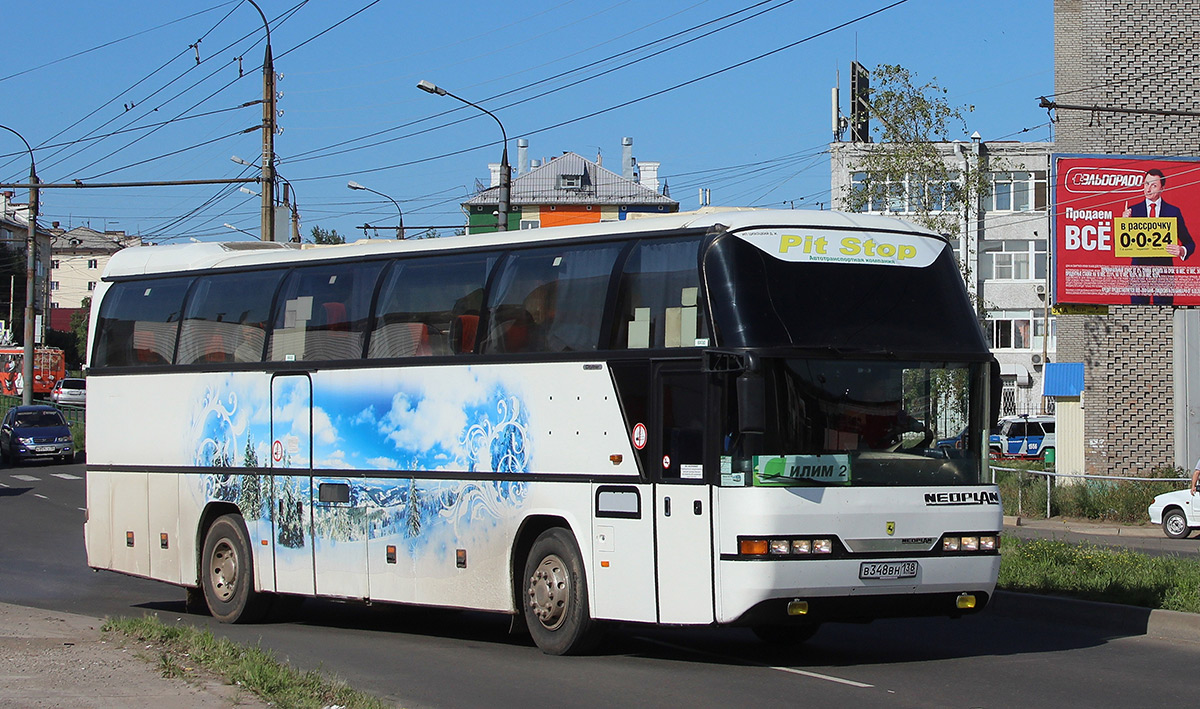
(1153, 186)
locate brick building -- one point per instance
(1142, 374)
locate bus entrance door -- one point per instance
(291, 460)
(683, 527)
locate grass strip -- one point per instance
(180, 646)
(1087, 571)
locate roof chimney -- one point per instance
(522, 156)
(649, 177)
(627, 161)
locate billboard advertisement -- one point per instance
(1121, 230)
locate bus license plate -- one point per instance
(887, 569)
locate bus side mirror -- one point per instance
(752, 403)
(997, 392)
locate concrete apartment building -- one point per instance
(14, 231)
(1004, 247)
(78, 257)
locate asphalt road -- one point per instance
(423, 658)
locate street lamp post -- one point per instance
(30, 248)
(505, 177)
(400, 212)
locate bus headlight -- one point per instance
(780, 546)
(987, 543)
(822, 546)
(801, 546)
(950, 543)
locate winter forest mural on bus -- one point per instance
(457, 421)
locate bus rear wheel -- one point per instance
(227, 573)
(555, 596)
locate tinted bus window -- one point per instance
(226, 318)
(658, 302)
(430, 306)
(550, 300)
(323, 311)
(138, 323)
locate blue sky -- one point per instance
(755, 134)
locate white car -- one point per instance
(1178, 512)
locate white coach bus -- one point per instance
(690, 420)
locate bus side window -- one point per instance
(430, 306)
(138, 323)
(323, 312)
(658, 297)
(226, 318)
(550, 300)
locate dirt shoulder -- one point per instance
(50, 659)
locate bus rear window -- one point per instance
(138, 323)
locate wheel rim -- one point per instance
(550, 592)
(1175, 524)
(224, 570)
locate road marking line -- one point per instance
(66, 476)
(818, 675)
(27, 478)
(792, 670)
(41, 496)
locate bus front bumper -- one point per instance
(778, 591)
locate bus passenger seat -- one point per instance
(335, 316)
(462, 333)
(214, 350)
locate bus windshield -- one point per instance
(760, 300)
(863, 423)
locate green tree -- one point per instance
(323, 236)
(905, 166)
(79, 328)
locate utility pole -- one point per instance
(268, 136)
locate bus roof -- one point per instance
(142, 260)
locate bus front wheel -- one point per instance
(227, 573)
(555, 596)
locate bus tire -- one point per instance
(227, 573)
(1175, 524)
(555, 596)
(786, 635)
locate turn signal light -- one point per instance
(752, 546)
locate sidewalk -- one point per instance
(1085, 527)
(52, 659)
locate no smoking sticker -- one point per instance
(277, 451)
(666, 462)
(639, 436)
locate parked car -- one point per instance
(1178, 512)
(69, 391)
(957, 441)
(1024, 436)
(37, 431)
